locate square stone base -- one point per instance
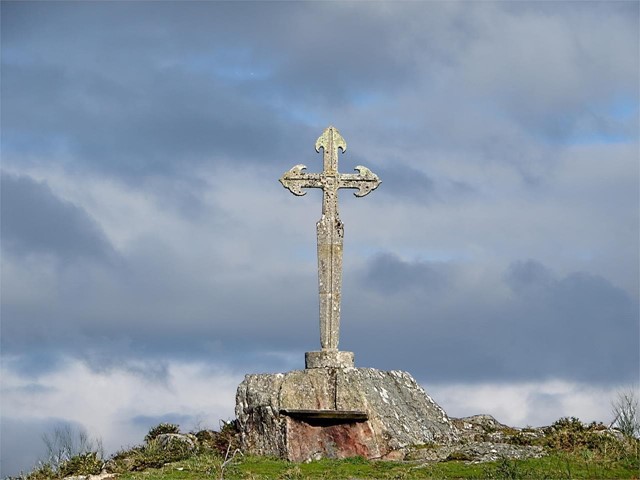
(328, 359)
(337, 412)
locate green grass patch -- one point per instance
(565, 466)
(575, 451)
(204, 465)
(555, 466)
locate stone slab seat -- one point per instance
(326, 414)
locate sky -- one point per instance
(150, 257)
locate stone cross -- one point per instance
(330, 230)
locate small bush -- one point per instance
(227, 438)
(160, 429)
(571, 435)
(220, 442)
(507, 469)
(43, 472)
(150, 455)
(521, 439)
(83, 464)
(567, 434)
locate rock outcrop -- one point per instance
(482, 439)
(337, 413)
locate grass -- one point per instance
(575, 465)
(574, 451)
(255, 468)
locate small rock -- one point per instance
(611, 432)
(173, 440)
(100, 476)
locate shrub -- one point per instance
(571, 435)
(567, 433)
(43, 472)
(220, 442)
(67, 441)
(227, 438)
(521, 439)
(150, 455)
(161, 429)
(83, 464)
(507, 469)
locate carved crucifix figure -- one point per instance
(330, 229)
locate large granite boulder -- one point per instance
(337, 413)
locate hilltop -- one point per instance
(487, 450)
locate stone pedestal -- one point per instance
(328, 359)
(336, 413)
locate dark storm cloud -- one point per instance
(406, 184)
(167, 88)
(529, 275)
(153, 307)
(158, 88)
(16, 435)
(34, 220)
(420, 316)
(173, 121)
(389, 274)
(574, 326)
(170, 122)
(143, 89)
(588, 328)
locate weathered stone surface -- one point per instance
(491, 451)
(101, 476)
(177, 440)
(481, 439)
(398, 414)
(328, 359)
(483, 428)
(475, 452)
(330, 230)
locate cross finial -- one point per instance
(330, 141)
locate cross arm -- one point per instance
(296, 179)
(365, 181)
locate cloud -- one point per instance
(403, 183)
(387, 273)
(528, 275)
(17, 433)
(144, 229)
(179, 93)
(198, 395)
(34, 220)
(530, 324)
(181, 284)
(583, 310)
(527, 404)
(117, 407)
